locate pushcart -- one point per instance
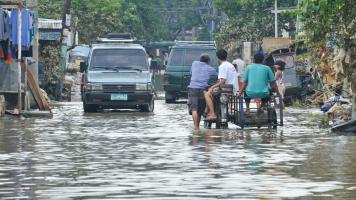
(230, 109)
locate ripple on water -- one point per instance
(128, 154)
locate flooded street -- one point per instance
(133, 155)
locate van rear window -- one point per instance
(113, 59)
(185, 57)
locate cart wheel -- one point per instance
(207, 124)
(218, 125)
(224, 125)
(69, 98)
(269, 117)
(274, 119)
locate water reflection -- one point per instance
(128, 155)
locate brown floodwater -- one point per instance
(133, 155)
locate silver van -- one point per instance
(117, 76)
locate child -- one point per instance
(280, 66)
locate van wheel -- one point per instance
(170, 101)
(90, 108)
(148, 108)
(169, 98)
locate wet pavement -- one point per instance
(133, 155)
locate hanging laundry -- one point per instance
(5, 28)
(5, 44)
(25, 40)
(2, 23)
(25, 51)
(5, 52)
(32, 26)
(8, 61)
(2, 54)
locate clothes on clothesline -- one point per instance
(5, 51)
(5, 35)
(25, 51)
(5, 27)
(26, 27)
(9, 34)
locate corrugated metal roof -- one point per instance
(49, 24)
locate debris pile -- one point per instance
(49, 55)
(334, 97)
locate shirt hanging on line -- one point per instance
(25, 39)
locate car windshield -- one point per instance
(119, 59)
(191, 55)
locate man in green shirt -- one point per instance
(257, 79)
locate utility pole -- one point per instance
(275, 11)
(275, 19)
(298, 24)
(19, 56)
(64, 47)
(34, 67)
(213, 24)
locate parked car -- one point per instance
(117, 76)
(178, 70)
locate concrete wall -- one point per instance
(8, 78)
(2, 106)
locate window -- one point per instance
(176, 57)
(113, 59)
(185, 57)
(194, 54)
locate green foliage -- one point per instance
(332, 23)
(250, 20)
(51, 9)
(159, 19)
(96, 18)
(152, 20)
(329, 20)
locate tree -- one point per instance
(96, 18)
(160, 19)
(155, 20)
(333, 22)
(50, 9)
(249, 20)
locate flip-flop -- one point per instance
(211, 118)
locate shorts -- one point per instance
(264, 100)
(196, 100)
(282, 90)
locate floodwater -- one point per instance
(133, 155)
